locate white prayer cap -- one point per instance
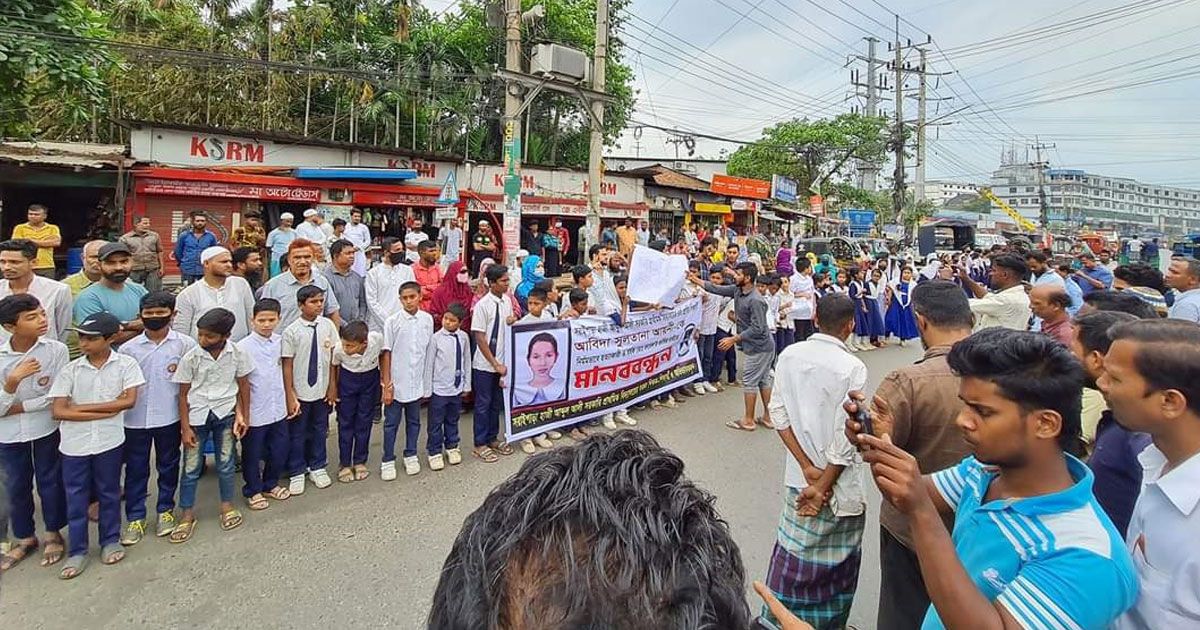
(212, 252)
(287, 216)
(311, 212)
(522, 253)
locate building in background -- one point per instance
(938, 191)
(698, 168)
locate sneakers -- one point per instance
(607, 421)
(543, 441)
(528, 447)
(296, 485)
(436, 463)
(387, 472)
(134, 532)
(624, 418)
(554, 435)
(699, 389)
(710, 388)
(166, 524)
(320, 478)
(454, 456)
(412, 465)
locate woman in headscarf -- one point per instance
(827, 267)
(455, 287)
(783, 261)
(532, 272)
(481, 288)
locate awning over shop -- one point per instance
(712, 208)
(360, 173)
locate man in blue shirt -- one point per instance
(114, 293)
(1073, 290)
(1031, 546)
(1093, 276)
(190, 244)
(1184, 276)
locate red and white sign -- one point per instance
(377, 198)
(740, 187)
(816, 204)
(429, 173)
(570, 211)
(229, 190)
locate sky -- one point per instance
(1110, 84)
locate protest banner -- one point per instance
(564, 372)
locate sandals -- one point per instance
(764, 424)
(345, 475)
(257, 502)
(183, 531)
(230, 520)
(361, 472)
(53, 551)
(19, 551)
(502, 448)
(112, 554)
(279, 493)
(734, 424)
(73, 568)
(486, 454)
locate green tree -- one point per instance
(813, 152)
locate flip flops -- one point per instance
(279, 493)
(183, 532)
(73, 568)
(734, 424)
(231, 520)
(486, 454)
(257, 502)
(112, 554)
(18, 552)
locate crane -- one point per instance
(1021, 221)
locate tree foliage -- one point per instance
(813, 152)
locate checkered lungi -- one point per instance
(814, 567)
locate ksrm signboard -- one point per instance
(783, 188)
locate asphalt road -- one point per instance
(367, 554)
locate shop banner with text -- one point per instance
(564, 372)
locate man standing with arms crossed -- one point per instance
(190, 244)
(147, 254)
(383, 282)
(44, 235)
(360, 235)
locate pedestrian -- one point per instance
(620, 317)
(217, 288)
(785, 331)
(803, 291)
(608, 236)
(1092, 276)
(724, 356)
(278, 241)
(344, 282)
(1007, 305)
(251, 235)
(491, 322)
(91, 394)
(300, 273)
(30, 438)
(627, 237)
(427, 271)
(558, 243)
(483, 246)
(1152, 381)
(148, 261)
(1049, 304)
(815, 562)
(310, 228)
(154, 420)
(1150, 253)
(710, 307)
(447, 361)
(900, 321)
(1183, 275)
(265, 445)
(455, 288)
(114, 294)
(752, 338)
(406, 337)
(875, 294)
(189, 244)
(307, 357)
(533, 240)
(359, 234)
(783, 261)
(643, 234)
(413, 237)
(17, 257)
(383, 282)
(356, 373)
(45, 236)
(1019, 480)
(450, 237)
(248, 265)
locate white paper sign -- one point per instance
(655, 277)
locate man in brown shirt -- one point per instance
(147, 254)
(917, 405)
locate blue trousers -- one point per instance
(24, 462)
(724, 358)
(264, 457)
(137, 468)
(86, 477)
(308, 432)
(489, 404)
(783, 338)
(220, 431)
(410, 412)
(358, 399)
(707, 348)
(443, 423)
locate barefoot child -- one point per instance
(448, 377)
(406, 338)
(90, 396)
(154, 420)
(265, 446)
(307, 352)
(29, 436)
(214, 396)
(357, 382)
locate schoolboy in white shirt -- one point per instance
(266, 443)
(539, 302)
(406, 338)
(307, 363)
(491, 321)
(356, 377)
(447, 378)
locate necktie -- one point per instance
(495, 331)
(312, 359)
(457, 361)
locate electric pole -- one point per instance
(867, 173)
(1040, 167)
(596, 149)
(513, 102)
(919, 190)
(898, 139)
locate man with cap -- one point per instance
(219, 288)
(484, 245)
(189, 245)
(310, 228)
(115, 293)
(278, 241)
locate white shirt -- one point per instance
(35, 422)
(484, 320)
(803, 292)
(360, 235)
(411, 240)
(1008, 309)
(158, 400)
(84, 384)
(448, 358)
(382, 287)
(214, 386)
(308, 230)
(198, 298)
(406, 336)
(723, 321)
(812, 379)
(360, 363)
(1164, 538)
(710, 307)
(297, 345)
(452, 237)
(56, 301)
(268, 401)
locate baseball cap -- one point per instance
(100, 324)
(108, 249)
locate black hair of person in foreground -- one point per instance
(606, 534)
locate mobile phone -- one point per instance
(863, 418)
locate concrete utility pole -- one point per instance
(513, 101)
(1040, 167)
(596, 149)
(867, 173)
(898, 177)
(919, 190)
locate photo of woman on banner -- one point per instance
(542, 378)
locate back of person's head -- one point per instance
(607, 533)
(802, 263)
(1121, 302)
(355, 331)
(157, 299)
(1139, 275)
(546, 284)
(834, 312)
(708, 241)
(494, 273)
(579, 271)
(268, 304)
(218, 321)
(1012, 263)
(943, 304)
(1030, 369)
(1094, 330)
(1167, 356)
(659, 245)
(11, 307)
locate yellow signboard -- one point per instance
(713, 208)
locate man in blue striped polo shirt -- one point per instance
(1031, 547)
